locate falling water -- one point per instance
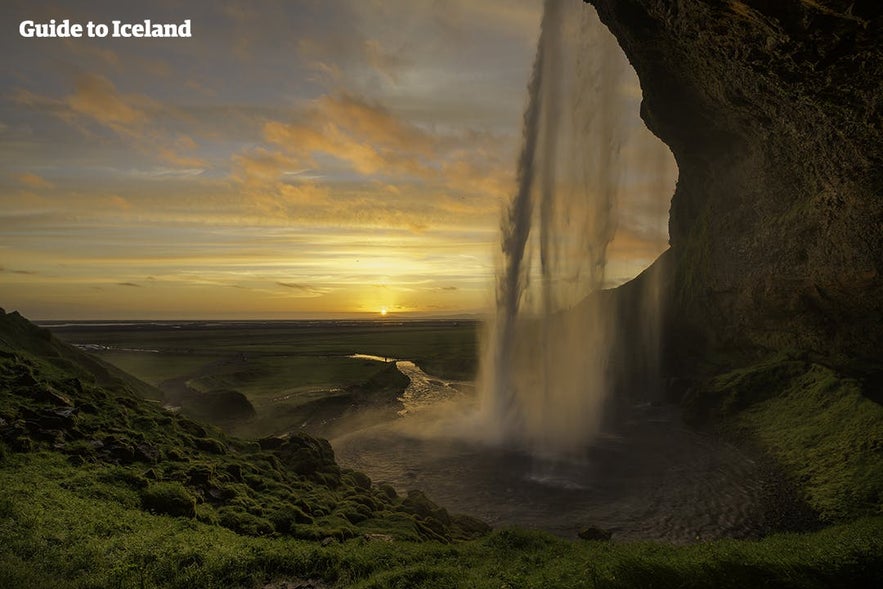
(547, 371)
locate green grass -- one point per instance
(826, 432)
(264, 378)
(123, 448)
(56, 531)
(154, 368)
(820, 426)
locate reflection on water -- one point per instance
(651, 478)
(371, 357)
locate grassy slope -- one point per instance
(75, 514)
(62, 527)
(174, 465)
(823, 428)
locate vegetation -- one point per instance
(166, 463)
(824, 429)
(99, 488)
(63, 526)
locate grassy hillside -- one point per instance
(823, 428)
(173, 465)
(99, 488)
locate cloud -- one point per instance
(405, 174)
(387, 63)
(303, 290)
(3, 269)
(130, 284)
(95, 100)
(92, 51)
(363, 135)
(33, 181)
(118, 202)
(95, 97)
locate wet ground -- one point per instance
(649, 477)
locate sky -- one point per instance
(292, 159)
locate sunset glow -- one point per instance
(299, 160)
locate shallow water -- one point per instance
(648, 478)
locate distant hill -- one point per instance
(17, 333)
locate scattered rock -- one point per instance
(49, 395)
(378, 537)
(128, 402)
(145, 452)
(49, 419)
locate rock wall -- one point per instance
(774, 112)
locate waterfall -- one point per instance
(546, 372)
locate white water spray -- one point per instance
(546, 374)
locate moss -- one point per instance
(287, 518)
(123, 476)
(170, 499)
(820, 426)
(52, 536)
(736, 390)
(210, 445)
(244, 522)
(207, 514)
(357, 479)
(354, 512)
(469, 528)
(388, 491)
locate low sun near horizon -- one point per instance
(304, 160)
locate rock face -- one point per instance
(774, 112)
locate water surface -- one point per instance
(647, 478)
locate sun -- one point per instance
(383, 311)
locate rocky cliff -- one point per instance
(774, 112)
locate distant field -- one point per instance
(280, 366)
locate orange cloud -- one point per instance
(373, 141)
(118, 202)
(96, 97)
(97, 100)
(411, 177)
(33, 181)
